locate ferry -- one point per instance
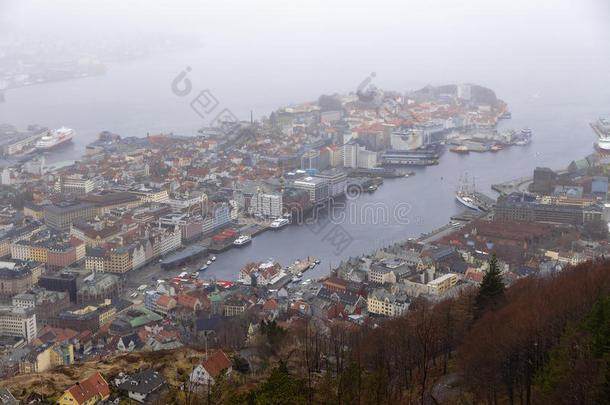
(55, 138)
(279, 223)
(496, 148)
(242, 240)
(460, 149)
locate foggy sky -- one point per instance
(405, 42)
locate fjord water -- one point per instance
(134, 98)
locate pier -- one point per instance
(295, 269)
(517, 185)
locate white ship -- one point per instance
(55, 138)
(466, 200)
(466, 195)
(603, 145)
(279, 223)
(242, 240)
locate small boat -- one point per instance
(496, 148)
(208, 262)
(242, 240)
(279, 223)
(460, 149)
(203, 268)
(213, 258)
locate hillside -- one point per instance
(499, 346)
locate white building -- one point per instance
(356, 156)
(350, 155)
(206, 372)
(181, 203)
(337, 181)
(266, 205)
(16, 321)
(317, 188)
(367, 159)
(406, 140)
(166, 241)
(6, 176)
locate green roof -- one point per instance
(581, 164)
(147, 317)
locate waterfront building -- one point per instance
(13, 141)
(336, 179)
(316, 186)
(406, 140)
(557, 210)
(266, 205)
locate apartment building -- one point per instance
(17, 321)
(383, 302)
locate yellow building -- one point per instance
(43, 360)
(383, 302)
(442, 284)
(87, 392)
(38, 253)
(34, 211)
(150, 195)
(119, 261)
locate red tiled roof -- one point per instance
(271, 305)
(89, 388)
(216, 363)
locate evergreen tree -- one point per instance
(492, 286)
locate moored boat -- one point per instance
(55, 138)
(460, 149)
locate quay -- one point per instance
(517, 185)
(295, 269)
(468, 215)
(439, 233)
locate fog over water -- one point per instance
(550, 61)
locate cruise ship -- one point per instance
(279, 223)
(55, 138)
(242, 240)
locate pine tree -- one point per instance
(492, 286)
